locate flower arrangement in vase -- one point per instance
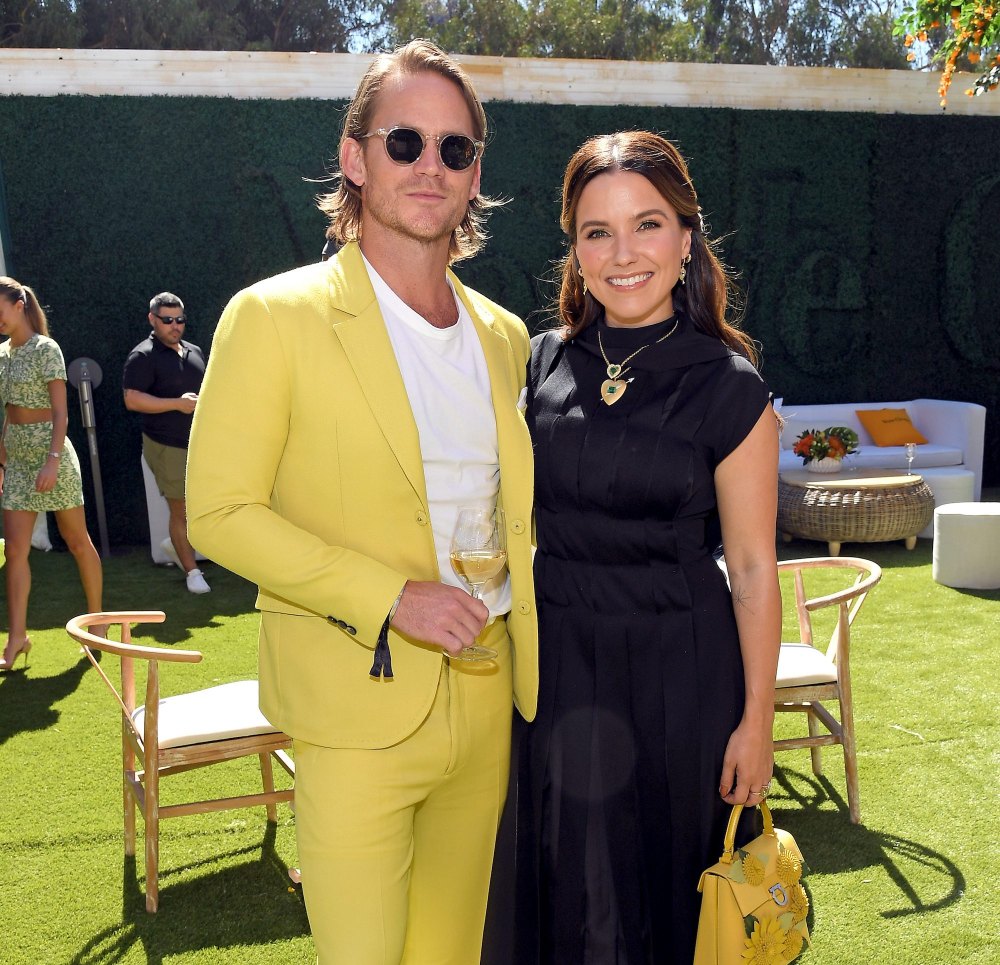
(822, 450)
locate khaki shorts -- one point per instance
(168, 464)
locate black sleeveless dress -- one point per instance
(618, 808)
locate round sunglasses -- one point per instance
(405, 146)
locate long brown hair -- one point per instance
(14, 291)
(709, 294)
(342, 205)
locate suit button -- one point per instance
(421, 518)
(517, 526)
(351, 630)
(524, 607)
(332, 620)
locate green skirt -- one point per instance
(27, 449)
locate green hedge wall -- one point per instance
(863, 240)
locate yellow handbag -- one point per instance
(753, 905)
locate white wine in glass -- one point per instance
(478, 567)
(478, 554)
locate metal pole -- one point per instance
(87, 414)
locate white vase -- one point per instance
(827, 464)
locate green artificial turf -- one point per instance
(67, 892)
(914, 885)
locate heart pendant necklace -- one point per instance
(614, 386)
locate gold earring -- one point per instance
(579, 271)
(682, 277)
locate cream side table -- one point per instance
(863, 506)
(967, 546)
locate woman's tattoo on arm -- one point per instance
(741, 597)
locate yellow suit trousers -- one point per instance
(396, 844)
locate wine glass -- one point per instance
(911, 449)
(478, 554)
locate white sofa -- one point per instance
(951, 462)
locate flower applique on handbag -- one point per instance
(753, 905)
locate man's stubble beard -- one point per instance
(381, 209)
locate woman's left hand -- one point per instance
(748, 764)
(45, 481)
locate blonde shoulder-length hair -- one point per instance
(342, 205)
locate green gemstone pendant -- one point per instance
(614, 371)
(612, 390)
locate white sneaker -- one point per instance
(167, 545)
(196, 582)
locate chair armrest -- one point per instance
(77, 629)
(863, 585)
(958, 424)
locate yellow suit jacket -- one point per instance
(305, 476)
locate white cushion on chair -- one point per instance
(218, 713)
(800, 665)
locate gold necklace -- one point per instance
(614, 386)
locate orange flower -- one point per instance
(908, 40)
(973, 57)
(803, 446)
(911, 56)
(922, 36)
(837, 449)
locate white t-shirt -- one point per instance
(448, 385)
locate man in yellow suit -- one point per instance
(349, 409)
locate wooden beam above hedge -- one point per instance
(281, 76)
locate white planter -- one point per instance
(828, 464)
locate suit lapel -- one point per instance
(504, 381)
(366, 344)
(365, 341)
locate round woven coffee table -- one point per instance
(866, 506)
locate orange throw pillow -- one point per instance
(889, 427)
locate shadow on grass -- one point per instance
(251, 903)
(133, 582)
(979, 594)
(833, 845)
(890, 555)
(28, 703)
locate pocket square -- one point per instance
(522, 400)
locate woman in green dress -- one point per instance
(39, 469)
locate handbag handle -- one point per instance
(730, 843)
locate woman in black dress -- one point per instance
(654, 441)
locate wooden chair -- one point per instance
(169, 735)
(807, 676)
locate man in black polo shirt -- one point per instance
(162, 378)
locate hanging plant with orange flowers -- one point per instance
(957, 34)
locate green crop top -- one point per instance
(26, 371)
